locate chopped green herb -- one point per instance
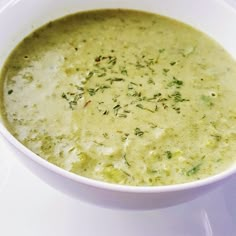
(139, 65)
(10, 92)
(177, 109)
(168, 154)
(73, 102)
(144, 108)
(134, 94)
(79, 88)
(123, 71)
(150, 62)
(130, 85)
(116, 109)
(102, 74)
(166, 70)
(124, 137)
(135, 84)
(217, 137)
(112, 60)
(122, 115)
(98, 59)
(150, 81)
(115, 80)
(98, 143)
(127, 111)
(152, 125)
(90, 74)
(91, 91)
(72, 98)
(178, 97)
(175, 82)
(140, 106)
(106, 112)
(194, 170)
(105, 135)
(161, 50)
(138, 132)
(162, 99)
(64, 96)
(126, 161)
(102, 88)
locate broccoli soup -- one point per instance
(124, 97)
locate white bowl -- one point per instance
(20, 17)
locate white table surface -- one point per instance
(28, 207)
(231, 2)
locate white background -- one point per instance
(28, 207)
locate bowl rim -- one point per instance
(106, 185)
(111, 186)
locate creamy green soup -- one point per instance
(123, 96)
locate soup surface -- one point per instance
(124, 97)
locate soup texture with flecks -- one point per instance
(124, 97)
